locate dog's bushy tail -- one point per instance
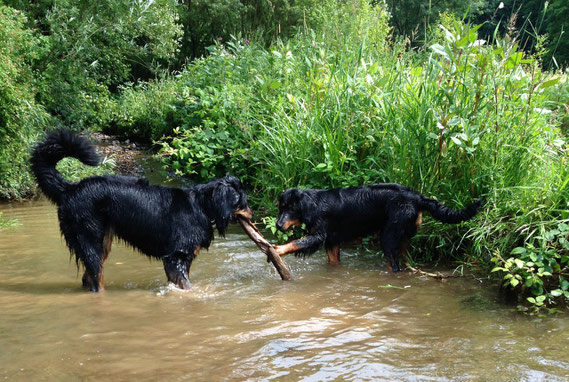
(448, 215)
(58, 145)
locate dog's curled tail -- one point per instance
(448, 215)
(58, 145)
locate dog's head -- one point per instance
(228, 200)
(295, 207)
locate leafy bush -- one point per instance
(94, 47)
(541, 271)
(73, 170)
(143, 112)
(213, 114)
(20, 117)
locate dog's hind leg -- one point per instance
(392, 243)
(90, 256)
(177, 268)
(333, 255)
(107, 243)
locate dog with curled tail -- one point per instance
(169, 224)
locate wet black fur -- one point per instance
(164, 223)
(335, 217)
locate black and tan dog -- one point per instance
(335, 217)
(170, 224)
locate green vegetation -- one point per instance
(20, 116)
(6, 223)
(319, 94)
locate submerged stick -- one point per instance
(254, 234)
(437, 276)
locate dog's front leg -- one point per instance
(308, 244)
(177, 267)
(287, 248)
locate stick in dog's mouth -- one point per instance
(247, 213)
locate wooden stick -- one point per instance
(437, 276)
(253, 232)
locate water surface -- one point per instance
(241, 322)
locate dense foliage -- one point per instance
(535, 20)
(319, 94)
(20, 116)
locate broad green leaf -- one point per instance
(518, 251)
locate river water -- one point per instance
(241, 322)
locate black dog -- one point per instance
(171, 224)
(335, 217)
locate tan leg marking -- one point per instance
(107, 243)
(419, 220)
(285, 249)
(333, 255)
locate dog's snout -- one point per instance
(279, 225)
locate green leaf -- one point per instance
(518, 251)
(556, 292)
(439, 49)
(550, 83)
(457, 141)
(275, 85)
(389, 286)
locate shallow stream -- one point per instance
(241, 322)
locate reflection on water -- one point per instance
(241, 322)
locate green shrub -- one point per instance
(21, 119)
(541, 271)
(73, 170)
(144, 112)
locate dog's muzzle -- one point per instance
(285, 225)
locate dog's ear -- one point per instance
(308, 207)
(224, 202)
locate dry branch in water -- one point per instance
(437, 276)
(254, 234)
